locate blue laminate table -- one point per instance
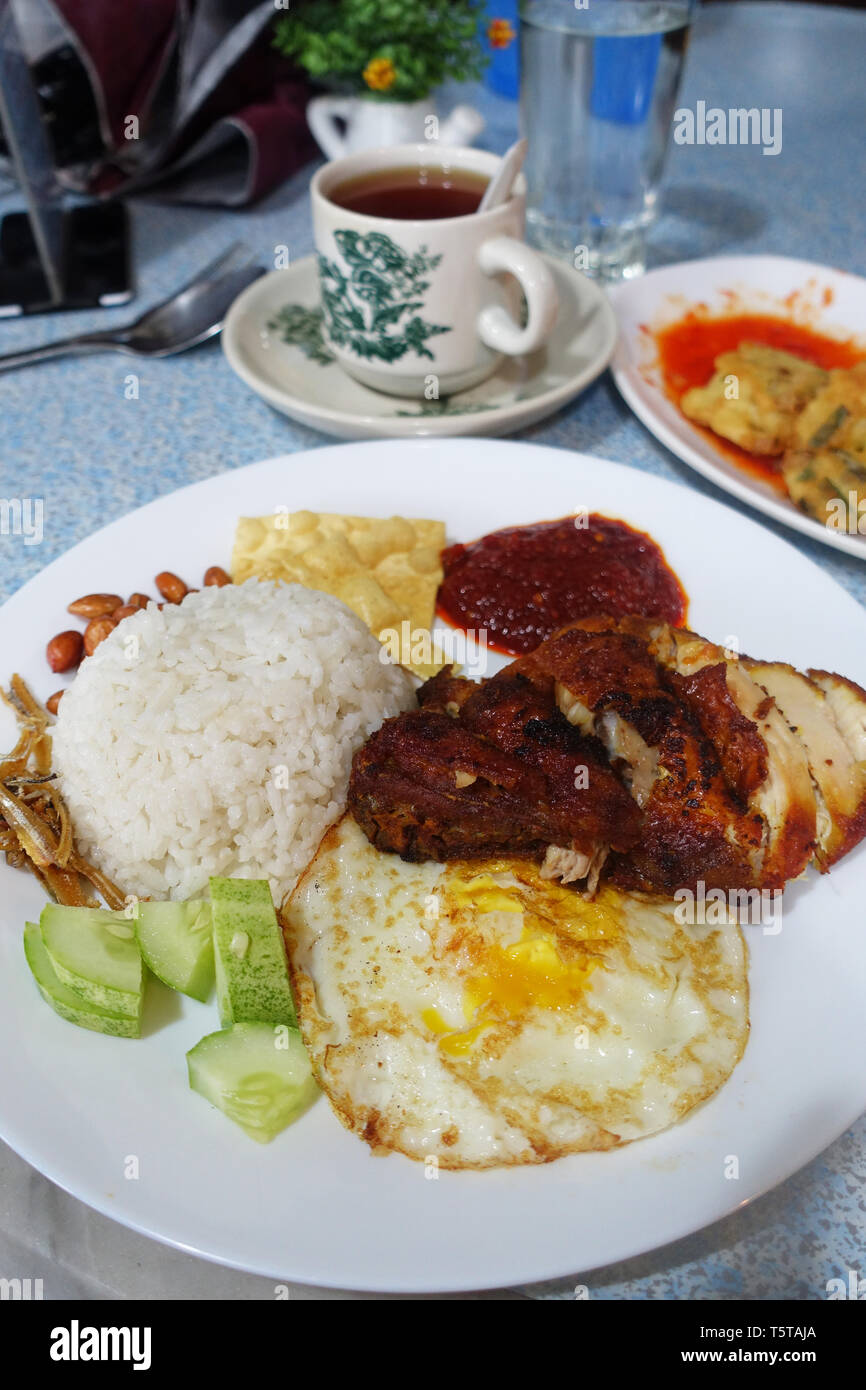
(70, 436)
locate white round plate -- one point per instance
(831, 301)
(299, 378)
(316, 1205)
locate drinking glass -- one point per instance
(599, 83)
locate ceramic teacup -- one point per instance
(426, 308)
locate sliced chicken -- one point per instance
(848, 704)
(784, 796)
(838, 763)
(609, 684)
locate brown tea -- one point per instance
(412, 194)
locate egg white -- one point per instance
(481, 1015)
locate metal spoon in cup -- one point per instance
(499, 188)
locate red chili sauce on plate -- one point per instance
(687, 351)
(523, 583)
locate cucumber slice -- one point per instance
(65, 1001)
(258, 1075)
(176, 941)
(94, 952)
(252, 974)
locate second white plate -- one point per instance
(829, 300)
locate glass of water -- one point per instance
(599, 83)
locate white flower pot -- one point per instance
(369, 124)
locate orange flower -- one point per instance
(379, 74)
(500, 33)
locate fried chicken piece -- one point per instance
(608, 683)
(516, 710)
(741, 751)
(785, 798)
(754, 396)
(425, 787)
(763, 760)
(628, 749)
(445, 692)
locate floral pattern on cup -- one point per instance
(372, 296)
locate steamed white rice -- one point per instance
(216, 737)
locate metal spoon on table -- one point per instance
(190, 316)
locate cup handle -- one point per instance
(322, 114)
(496, 327)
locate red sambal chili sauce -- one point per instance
(521, 584)
(687, 351)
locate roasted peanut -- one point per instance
(95, 605)
(65, 650)
(137, 601)
(96, 631)
(125, 611)
(216, 575)
(172, 589)
(53, 701)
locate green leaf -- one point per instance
(427, 40)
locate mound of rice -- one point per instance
(216, 737)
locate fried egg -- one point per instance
(480, 1015)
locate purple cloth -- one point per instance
(220, 114)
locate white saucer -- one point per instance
(299, 378)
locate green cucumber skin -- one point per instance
(246, 892)
(224, 1003)
(64, 1001)
(233, 1069)
(101, 996)
(111, 974)
(256, 988)
(185, 963)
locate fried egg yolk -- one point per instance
(506, 980)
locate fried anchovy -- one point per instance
(35, 837)
(35, 825)
(110, 891)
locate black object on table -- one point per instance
(51, 256)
